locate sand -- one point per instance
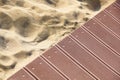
(30, 27)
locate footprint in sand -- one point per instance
(94, 5)
(6, 21)
(3, 42)
(22, 54)
(7, 63)
(22, 25)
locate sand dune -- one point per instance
(29, 27)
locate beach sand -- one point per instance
(30, 27)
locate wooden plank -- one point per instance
(87, 60)
(107, 37)
(43, 71)
(21, 75)
(106, 19)
(98, 49)
(114, 11)
(67, 66)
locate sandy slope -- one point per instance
(29, 27)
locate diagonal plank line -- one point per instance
(77, 63)
(55, 68)
(95, 56)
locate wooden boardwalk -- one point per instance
(91, 52)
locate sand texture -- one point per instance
(29, 27)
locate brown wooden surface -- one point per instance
(91, 52)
